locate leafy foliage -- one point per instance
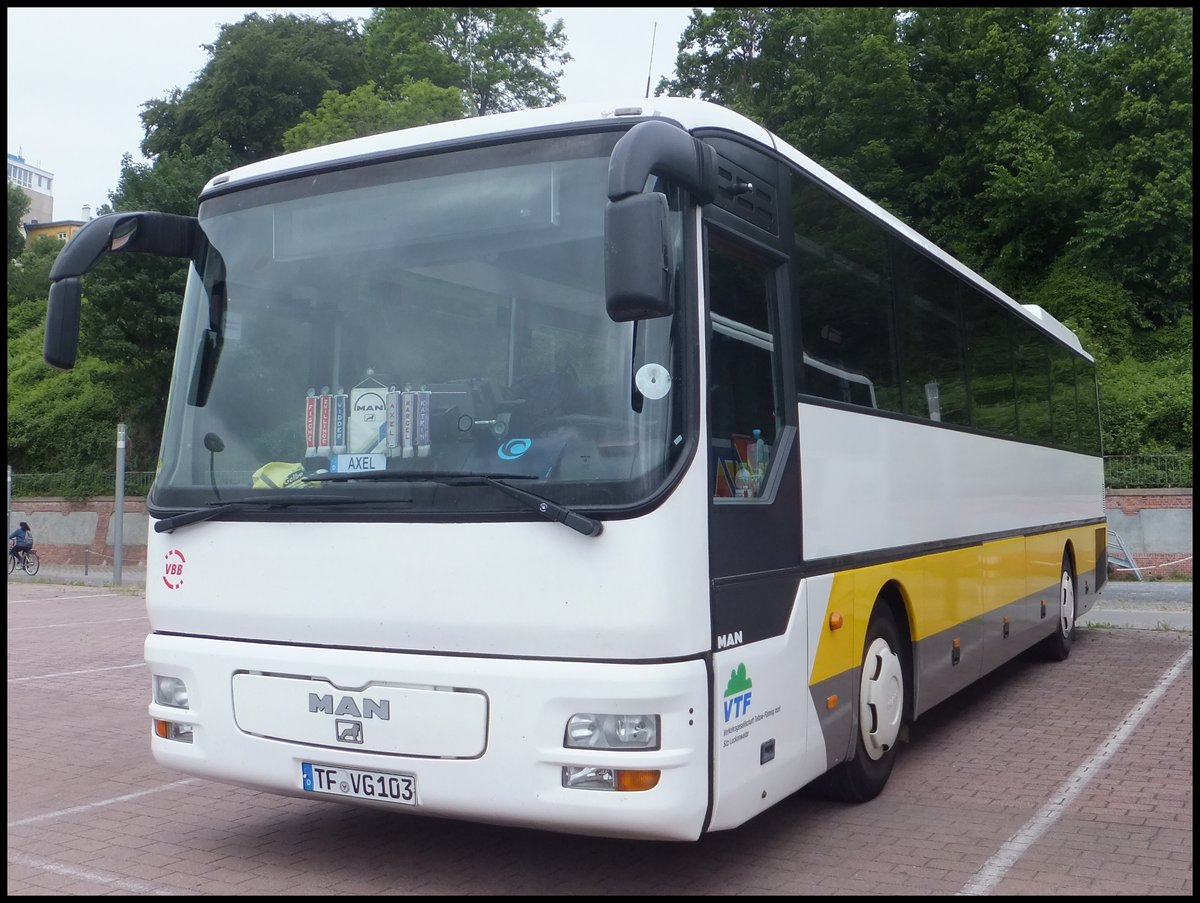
(57, 419)
(501, 58)
(18, 206)
(264, 72)
(1147, 406)
(1132, 70)
(368, 111)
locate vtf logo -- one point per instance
(737, 693)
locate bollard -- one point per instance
(85, 562)
(119, 505)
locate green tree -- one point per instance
(1131, 70)
(367, 111)
(263, 73)
(130, 315)
(56, 420)
(501, 58)
(1147, 405)
(29, 283)
(990, 175)
(1048, 148)
(738, 57)
(850, 101)
(18, 206)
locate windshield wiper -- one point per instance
(168, 524)
(580, 523)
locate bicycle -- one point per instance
(27, 560)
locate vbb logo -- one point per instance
(173, 569)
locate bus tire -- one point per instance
(881, 710)
(1057, 646)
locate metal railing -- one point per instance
(1148, 472)
(80, 485)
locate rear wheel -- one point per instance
(32, 563)
(1058, 646)
(880, 715)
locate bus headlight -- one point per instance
(588, 777)
(588, 730)
(170, 691)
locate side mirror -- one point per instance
(638, 258)
(62, 323)
(638, 252)
(161, 234)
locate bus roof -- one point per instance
(690, 113)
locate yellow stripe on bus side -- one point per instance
(944, 589)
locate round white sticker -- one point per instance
(653, 380)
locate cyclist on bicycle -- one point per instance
(20, 540)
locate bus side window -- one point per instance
(844, 302)
(743, 382)
(930, 339)
(993, 392)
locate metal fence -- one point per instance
(80, 485)
(1120, 472)
(1148, 472)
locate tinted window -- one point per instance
(989, 329)
(1033, 386)
(1089, 414)
(931, 353)
(843, 297)
(1062, 397)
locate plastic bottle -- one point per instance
(759, 453)
(742, 482)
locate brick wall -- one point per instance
(1156, 527)
(80, 533)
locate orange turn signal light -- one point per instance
(637, 780)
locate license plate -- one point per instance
(364, 785)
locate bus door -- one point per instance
(759, 638)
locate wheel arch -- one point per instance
(1069, 555)
(894, 596)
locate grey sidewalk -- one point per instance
(1149, 605)
(77, 574)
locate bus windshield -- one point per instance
(438, 314)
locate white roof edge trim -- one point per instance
(1056, 327)
(688, 112)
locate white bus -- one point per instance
(607, 469)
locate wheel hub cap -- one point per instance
(881, 700)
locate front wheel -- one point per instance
(1058, 646)
(880, 715)
(32, 563)
(12, 562)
